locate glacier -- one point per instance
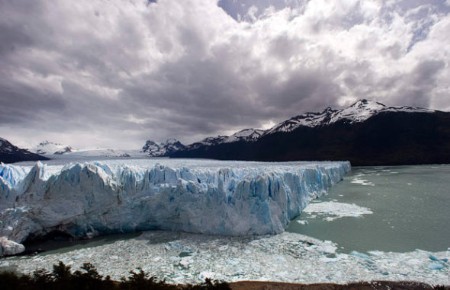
(198, 196)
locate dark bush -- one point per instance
(88, 278)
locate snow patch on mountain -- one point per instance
(93, 198)
(248, 135)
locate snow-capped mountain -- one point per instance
(209, 141)
(365, 133)
(247, 135)
(10, 153)
(165, 148)
(50, 148)
(97, 152)
(358, 112)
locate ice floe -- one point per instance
(289, 257)
(360, 181)
(332, 210)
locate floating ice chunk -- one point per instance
(327, 247)
(334, 210)
(360, 255)
(436, 266)
(434, 258)
(361, 181)
(8, 248)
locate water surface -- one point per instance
(410, 205)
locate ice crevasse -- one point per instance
(89, 199)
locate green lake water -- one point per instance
(410, 205)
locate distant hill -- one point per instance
(51, 148)
(10, 153)
(366, 133)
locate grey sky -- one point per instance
(115, 73)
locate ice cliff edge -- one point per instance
(88, 199)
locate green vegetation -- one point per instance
(87, 278)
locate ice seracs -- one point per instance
(225, 198)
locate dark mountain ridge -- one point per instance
(10, 153)
(366, 133)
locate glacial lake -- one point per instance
(410, 208)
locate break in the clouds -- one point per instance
(115, 73)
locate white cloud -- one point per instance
(127, 71)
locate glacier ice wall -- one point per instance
(225, 198)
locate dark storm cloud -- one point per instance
(18, 100)
(187, 90)
(11, 39)
(114, 73)
(419, 83)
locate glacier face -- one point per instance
(198, 196)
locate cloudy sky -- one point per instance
(113, 73)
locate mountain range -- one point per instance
(365, 133)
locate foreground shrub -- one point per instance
(88, 278)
